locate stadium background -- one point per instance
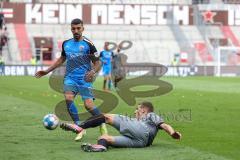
(197, 40)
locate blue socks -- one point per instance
(72, 109)
(95, 111)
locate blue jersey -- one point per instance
(79, 55)
(106, 58)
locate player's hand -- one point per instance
(176, 135)
(39, 74)
(90, 76)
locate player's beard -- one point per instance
(77, 36)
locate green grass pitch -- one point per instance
(212, 131)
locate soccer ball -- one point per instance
(50, 121)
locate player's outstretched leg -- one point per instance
(71, 127)
(95, 112)
(91, 122)
(74, 128)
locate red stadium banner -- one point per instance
(119, 14)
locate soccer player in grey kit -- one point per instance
(135, 132)
(118, 71)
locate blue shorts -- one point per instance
(81, 87)
(107, 70)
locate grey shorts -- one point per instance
(134, 133)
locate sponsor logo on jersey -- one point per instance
(96, 54)
(81, 48)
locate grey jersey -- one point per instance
(116, 61)
(119, 60)
(152, 121)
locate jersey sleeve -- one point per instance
(93, 53)
(101, 54)
(63, 50)
(156, 119)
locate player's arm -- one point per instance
(97, 66)
(90, 76)
(94, 56)
(56, 64)
(167, 128)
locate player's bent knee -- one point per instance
(109, 118)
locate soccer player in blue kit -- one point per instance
(106, 57)
(82, 64)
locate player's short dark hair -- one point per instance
(147, 105)
(77, 21)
